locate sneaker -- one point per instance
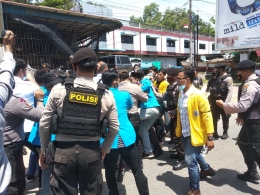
(149, 155)
(172, 149)
(224, 136)
(250, 177)
(29, 178)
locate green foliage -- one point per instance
(172, 19)
(252, 56)
(60, 4)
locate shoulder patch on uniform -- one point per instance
(83, 98)
(245, 86)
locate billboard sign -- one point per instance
(237, 24)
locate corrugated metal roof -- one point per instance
(103, 24)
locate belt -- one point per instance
(65, 144)
(14, 144)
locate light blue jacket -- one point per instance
(34, 136)
(147, 87)
(126, 130)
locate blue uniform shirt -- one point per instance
(126, 130)
(147, 88)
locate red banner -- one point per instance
(258, 53)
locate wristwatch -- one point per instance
(39, 100)
(210, 138)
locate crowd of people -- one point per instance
(72, 121)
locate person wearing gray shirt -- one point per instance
(137, 95)
(6, 89)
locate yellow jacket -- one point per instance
(162, 86)
(200, 117)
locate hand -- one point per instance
(39, 94)
(42, 163)
(172, 113)
(103, 154)
(239, 121)
(220, 103)
(9, 41)
(210, 145)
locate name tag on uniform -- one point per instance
(83, 98)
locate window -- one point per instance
(202, 46)
(103, 38)
(104, 59)
(213, 46)
(118, 60)
(150, 41)
(170, 43)
(111, 60)
(127, 39)
(186, 44)
(125, 60)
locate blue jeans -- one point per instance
(193, 157)
(32, 164)
(148, 117)
(46, 177)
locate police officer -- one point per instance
(81, 106)
(171, 97)
(248, 109)
(223, 91)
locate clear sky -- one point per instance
(123, 9)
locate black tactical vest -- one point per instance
(254, 106)
(172, 95)
(81, 110)
(222, 89)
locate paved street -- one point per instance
(226, 159)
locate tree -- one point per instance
(60, 4)
(172, 19)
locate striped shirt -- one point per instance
(183, 109)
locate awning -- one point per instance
(128, 33)
(172, 39)
(152, 37)
(186, 40)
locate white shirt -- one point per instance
(25, 90)
(97, 79)
(183, 109)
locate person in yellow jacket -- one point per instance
(195, 126)
(161, 83)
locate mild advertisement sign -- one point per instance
(237, 24)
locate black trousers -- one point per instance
(77, 164)
(216, 112)
(132, 159)
(14, 153)
(249, 144)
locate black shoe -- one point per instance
(149, 155)
(224, 136)
(158, 152)
(179, 165)
(174, 156)
(215, 137)
(170, 142)
(251, 177)
(29, 178)
(205, 173)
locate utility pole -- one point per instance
(190, 16)
(197, 56)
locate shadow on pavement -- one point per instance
(180, 185)
(229, 177)
(120, 187)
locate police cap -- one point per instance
(220, 66)
(85, 54)
(245, 64)
(123, 74)
(172, 71)
(51, 79)
(138, 74)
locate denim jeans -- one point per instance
(46, 177)
(193, 157)
(33, 160)
(148, 117)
